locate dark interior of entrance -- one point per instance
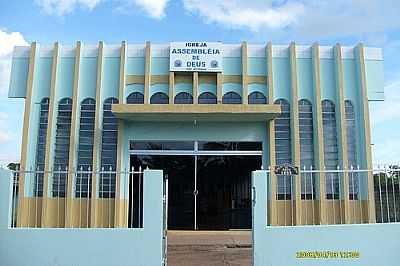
(206, 192)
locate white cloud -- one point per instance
(153, 8)
(326, 18)
(305, 18)
(7, 43)
(63, 7)
(248, 14)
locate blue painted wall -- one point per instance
(281, 77)
(19, 77)
(85, 247)
(257, 66)
(277, 245)
(304, 79)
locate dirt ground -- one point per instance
(209, 248)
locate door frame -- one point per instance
(195, 153)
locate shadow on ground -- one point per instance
(209, 248)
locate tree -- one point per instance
(13, 166)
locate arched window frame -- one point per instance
(83, 178)
(183, 98)
(306, 132)
(61, 152)
(109, 145)
(257, 97)
(283, 149)
(135, 98)
(41, 147)
(207, 98)
(352, 161)
(331, 154)
(159, 98)
(231, 97)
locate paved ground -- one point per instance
(209, 248)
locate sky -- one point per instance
(373, 22)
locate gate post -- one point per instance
(153, 182)
(6, 198)
(259, 195)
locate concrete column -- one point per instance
(318, 133)
(367, 136)
(119, 208)
(271, 138)
(220, 81)
(22, 201)
(195, 87)
(295, 131)
(147, 73)
(341, 129)
(245, 77)
(73, 142)
(171, 90)
(97, 136)
(49, 139)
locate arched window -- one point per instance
(108, 151)
(41, 147)
(330, 149)
(283, 152)
(207, 98)
(135, 98)
(183, 98)
(85, 148)
(351, 148)
(257, 98)
(159, 98)
(306, 148)
(231, 98)
(61, 153)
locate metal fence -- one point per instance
(341, 205)
(66, 208)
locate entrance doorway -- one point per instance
(208, 189)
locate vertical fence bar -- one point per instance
(36, 195)
(14, 184)
(80, 178)
(89, 194)
(292, 199)
(380, 193)
(352, 213)
(359, 194)
(100, 213)
(394, 196)
(398, 182)
(140, 199)
(285, 199)
(387, 195)
(109, 196)
(333, 196)
(304, 179)
(131, 196)
(312, 195)
(340, 176)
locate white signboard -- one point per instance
(195, 56)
